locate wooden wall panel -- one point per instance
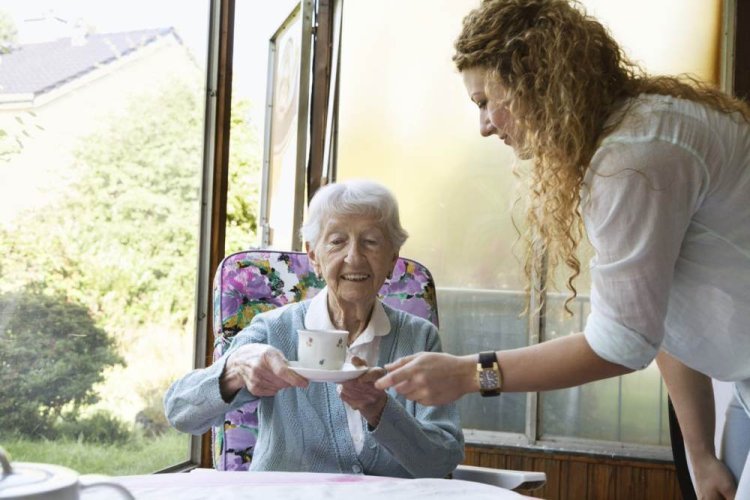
(573, 481)
(576, 476)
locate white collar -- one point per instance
(317, 318)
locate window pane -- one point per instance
(405, 120)
(101, 113)
(632, 408)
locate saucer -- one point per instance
(315, 375)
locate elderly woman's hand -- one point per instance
(259, 367)
(362, 395)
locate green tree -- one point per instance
(51, 355)
(243, 196)
(123, 239)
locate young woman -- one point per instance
(656, 171)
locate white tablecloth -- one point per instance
(199, 485)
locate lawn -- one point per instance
(142, 455)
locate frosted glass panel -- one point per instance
(405, 120)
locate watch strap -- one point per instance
(487, 359)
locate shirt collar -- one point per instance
(317, 318)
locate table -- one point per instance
(215, 485)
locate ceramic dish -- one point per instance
(315, 375)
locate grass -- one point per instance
(141, 455)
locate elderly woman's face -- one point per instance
(355, 256)
(494, 117)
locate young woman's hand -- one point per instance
(431, 378)
(713, 480)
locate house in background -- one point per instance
(56, 89)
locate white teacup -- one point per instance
(322, 349)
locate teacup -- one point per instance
(322, 349)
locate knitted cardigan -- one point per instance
(306, 429)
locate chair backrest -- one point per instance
(253, 281)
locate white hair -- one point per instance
(354, 197)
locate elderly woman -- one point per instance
(352, 237)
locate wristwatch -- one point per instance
(488, 374)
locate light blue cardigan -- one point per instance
(307, 430)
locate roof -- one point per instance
(36, 68)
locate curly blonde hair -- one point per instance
(563, 76)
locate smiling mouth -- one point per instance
(355, 277)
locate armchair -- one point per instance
(250, 282)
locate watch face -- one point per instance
(488, 379)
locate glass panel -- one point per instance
(101, 147)
(412, 127)
(255, 24)
(633, 408)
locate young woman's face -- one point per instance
(494, 117)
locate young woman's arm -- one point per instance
(693, 399)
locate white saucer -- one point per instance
(315, 375)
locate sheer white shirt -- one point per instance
(666, 204)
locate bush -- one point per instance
(101, 427)
(51, 355)
(151, 419)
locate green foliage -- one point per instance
(243, 196)
(151, 419)
(122, 242)
(140, 455)
(101, 427)
(124, 239)
(141, 174)
(51, 355)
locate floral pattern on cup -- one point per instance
(322, 349)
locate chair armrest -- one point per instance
(504, 478)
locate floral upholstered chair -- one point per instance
(254, 281)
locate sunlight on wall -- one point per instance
(406, 121)
(663, 35)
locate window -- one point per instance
(101, 157)
(404, 120)
(267, 39)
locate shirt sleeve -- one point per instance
(193, 404)
(640, 200)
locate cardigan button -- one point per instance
(357, 469)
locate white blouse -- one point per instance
(367, 347)
(666, 204)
